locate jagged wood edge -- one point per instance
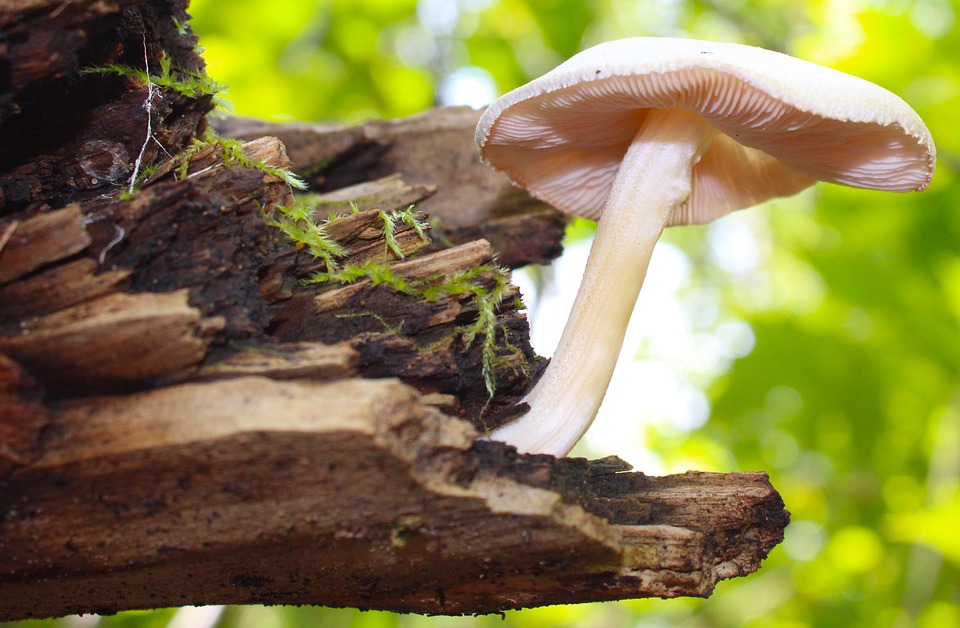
(277, 496)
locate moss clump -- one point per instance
(390, 220)
(472, 283)
(301, 226)
(233, 155)
(189, 83)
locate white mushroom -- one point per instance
(649, 132)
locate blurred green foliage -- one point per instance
(850, 396)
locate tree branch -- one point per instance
(276, 495)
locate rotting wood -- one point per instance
(6, 232)
(60, 287)
(41, 240)
(471, 200)
(292, 360)
(183, 420)
(23, 416)
(389, 191)
(113, 342)
(406, 336)
(72, 137)
(276, 496)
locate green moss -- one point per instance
(486, 300)
(396, 329)
(233, 155)
(390, 220)
(189, 83)
(182, 28)
(301, 228)
(142, 177)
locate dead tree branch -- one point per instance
(200, 406)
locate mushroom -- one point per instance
(645, 133)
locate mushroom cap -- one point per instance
(783, 124)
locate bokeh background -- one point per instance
(816, 338)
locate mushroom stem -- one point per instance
(653, 180)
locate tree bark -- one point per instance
(187, 418)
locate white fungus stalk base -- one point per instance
(653, 180)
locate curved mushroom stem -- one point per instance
(654, 179)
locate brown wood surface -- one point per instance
(470, 201)
(347, 493)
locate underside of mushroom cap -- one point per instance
(783, 124)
